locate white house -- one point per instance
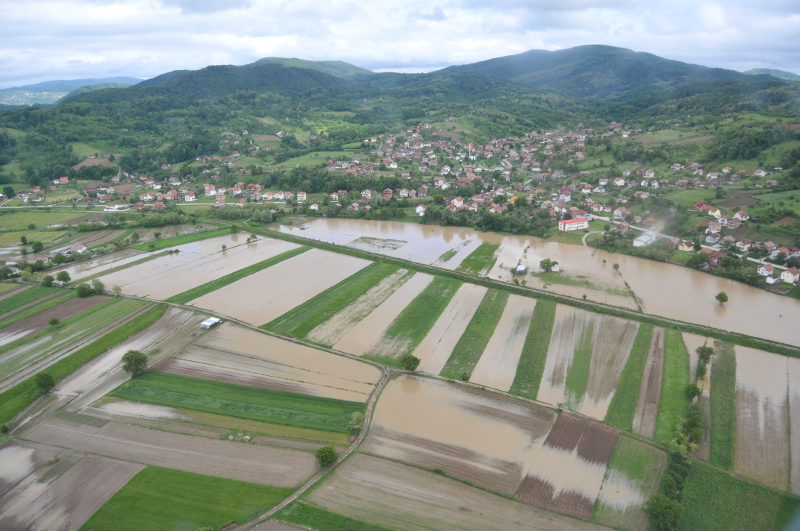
(569, 225)
(791, 275)
(645, 239)
(420, 210)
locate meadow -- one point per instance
(308, 516)
(481, 260)
(673, 403)
(723, 405)
(623, 404)
(534, 352)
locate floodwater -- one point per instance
(15, 463)
(794, 419)
(269, 293)
(107, 261)
(369, 331)
(497, 366)
(570, 325)
(135, 409)
(438, 345)
(620, 492)
(664, 289)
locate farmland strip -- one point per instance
(26, 297)
(181, 240)
(723, 405)
(578, 372)
(301, 320)
(479, 331)
(119, 268)
(647, 406)
(266, 405)
(310, 516)
(38, 308)
(21, 395)
(534, 352)
(672, 403)
(213, 285)
(481, 260)
(623, 404)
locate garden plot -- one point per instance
(334, 329)
(195, 264)
(367, 333)
(436, 348)
(64, 495)
(644, 420)
(403, 497)
(270, 293)
(468, 434)
(794, 414)
(568, 470)
(40, 321)
(256, 464)
(497, 366)
(761, 451)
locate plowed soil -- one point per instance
(738, 202)
(62, 311)
(568, 471)
(18, 459)
(644, 421)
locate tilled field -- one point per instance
(568, 470)
(403, 497)
(256, 464)
(644, 420)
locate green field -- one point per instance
(308, 516)
(26, 297)
(162, 499)
(447, 255)
(416, 319)
(44, 236)
(687, 197)
(217, 283)
(534, 352)
(180, 240)
(672, 404)
(6, 286)
(715, 501)
(481, 260)
(643, 465)
(265, 405)
(314, 159)
(302, 319)
(578, 372)
(11, 220)
(623, 404)
(14, 400)
(723, 405)
(479, 331)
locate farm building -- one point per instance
(569, 225)
(645, 239)
(521, 269)
(208, 323)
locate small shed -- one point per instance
(521, 269)
(208, 323)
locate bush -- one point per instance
(692, 391)
(54, 321)
(409, 362)
(45, 381)
(3, 428)
(326, 455)
(98, 287)
(84, 290)
(663, 512)
(63, 276)
(134, 362)
(47, 281)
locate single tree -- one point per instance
(37, 247)
(356, 422)
(47, 281)
(84, 290)
(722, 297)
(63, 276)
(134, 362)
(409, 362)
(704, 354)
(606, 227)
(116, 290)
(31, 226)
(616, 267)
(157, 235)
(326, 455)
(23, 240)
(54, 321)
(151, 247)
(692, 391)
(664, 513)
(697, 246)
(9, 192)
(135, 237)
(547, 264)
(224, 248)
(98, 287)
(59, 259)
(45, 381)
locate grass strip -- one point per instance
(675, 377)
(447, 255)
(26, 297)
(623, 404)
(578, 372)
(119, 268)
(221, 282)
(165, 499)
(157, 245)
(7, 286)
(481, 260)
(723, 405)
(417, 319)
(307, 516)
(14, 400)
(534, 351)
(266, 405)
(476, 336)
(715, 501)
(302, 319)
(33, 310)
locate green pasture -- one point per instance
(480, 261)
(672, 404)
(534, 352)
(723, 405)
(626, 396)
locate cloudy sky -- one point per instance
(43, 40)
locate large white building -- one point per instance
(645, 239)
(569, 225)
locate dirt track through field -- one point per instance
(644, 420)
(435, 349)
(794, 420)
(569, 327)
(762, 444)
(568, 470)
(366, 334)
(612, 342)
(403, 497)
(257, 464)
(497, 366)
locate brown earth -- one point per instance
(739, 202)
(784, 222)
(217, 374)
(92, 162)
(644, 421)
(257, 464)
(403, 497)
(274, 525)
(762, 456)
(18, 459)
(62, 311)
(82, 219)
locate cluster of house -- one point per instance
(76, 250)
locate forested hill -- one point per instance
(598, 71)
(334, 68)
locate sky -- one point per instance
(42, 40)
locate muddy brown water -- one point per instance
(664, 289)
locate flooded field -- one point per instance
(750, 310)
(497, 366)
(644, 420)
(794, 420)
(269, 293)
(196, 263)
(467, 434)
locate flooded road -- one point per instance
(663, 289)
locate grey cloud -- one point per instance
(207, 6)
